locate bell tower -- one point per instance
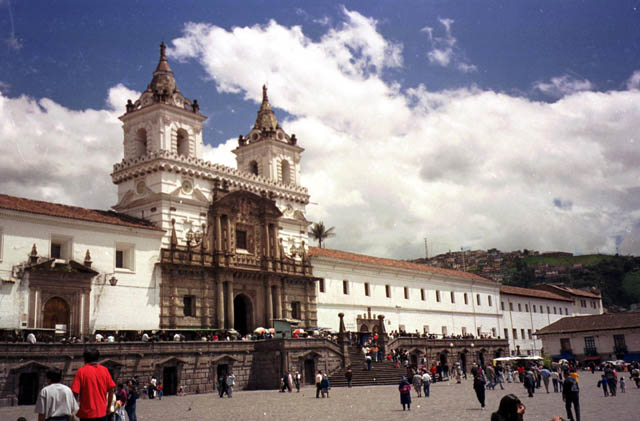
(162, 119)
(162, 139)
(267, 151)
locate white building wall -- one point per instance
(523, 317)
(412, 313)
(132, 303)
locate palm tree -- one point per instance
(320, 232)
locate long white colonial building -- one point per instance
(195, 244)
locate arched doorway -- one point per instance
(28, 387)
(481, 360)
(55, 312)
(242, 317)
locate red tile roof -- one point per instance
(560, 289)
(536, 293)
(581, 292)
(607, 321)
(72, 212)
(400, 264)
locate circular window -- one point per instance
(140, 187)
(187, 186)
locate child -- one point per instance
(622, 385)
(159, 391)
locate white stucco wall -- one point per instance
(413, 313)
(524, 317)
(132, 303)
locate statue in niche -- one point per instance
(293, 140)
(241, 141)
(281, 249)
(303, 253)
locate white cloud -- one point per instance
(634, 81)
(466, 167)
(52, 153)
(386, 167)
(444, 51)
(563, 85)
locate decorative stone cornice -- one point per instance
(170, 161)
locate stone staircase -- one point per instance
(382, 372)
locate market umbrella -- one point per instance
(259, 330)
(272, 330)
(299, 331)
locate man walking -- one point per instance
(55, 401)
(570, 395)
(612, 379)
(94, 387)
(545, 374)
(426, 383)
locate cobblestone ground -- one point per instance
(447, 401)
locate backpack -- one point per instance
(574, 384)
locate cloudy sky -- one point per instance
(474, 124)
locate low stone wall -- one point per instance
(452, 351)
(193, 365)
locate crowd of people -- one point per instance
(34, 336)
(561, 378)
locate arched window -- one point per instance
(183, 142)
(141, 142)
(286, 171)
(253, 167)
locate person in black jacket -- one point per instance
(510, 409)
(529, 383)
(570, 395)
(479, 383)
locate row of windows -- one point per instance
(346, 290)
(61, 248)
(515, 333)
(534, 308)
(463, 331)
(592, 303)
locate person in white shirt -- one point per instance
(99, 337)
(31, 338)
(318, 383)
(426, 382)
(176, 337)
(55, 401)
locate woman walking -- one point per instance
(479, 383)
(405, 394)
(417, 383)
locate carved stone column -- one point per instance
(218, 233)
(220, 304)
(343, 342)
(278, 308)
(382, 335)
(269, 304)
(230, 315)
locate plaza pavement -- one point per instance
(447, 402)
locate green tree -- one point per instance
(631, 285)
(320, 233)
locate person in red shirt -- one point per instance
(93, 387)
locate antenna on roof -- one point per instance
(426, 248)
